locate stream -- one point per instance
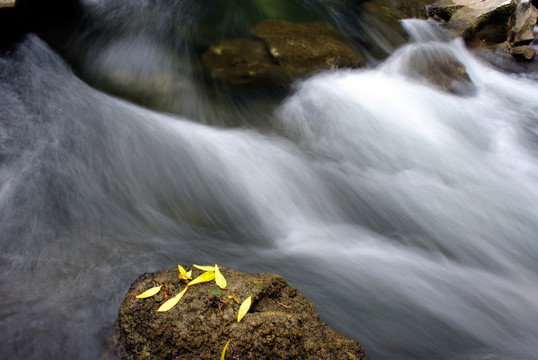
(407, 214)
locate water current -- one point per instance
(407, 214)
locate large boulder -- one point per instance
(304, 48)
(281, 323)
(522, 23)
(466, 17)
(284, 51)
(240, 62)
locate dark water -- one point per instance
(408, 215)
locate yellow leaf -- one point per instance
(189, 274)
(219, 279)
(223, 355)
(183, 275)
(204, 267)
(170, 303)
(243, 309)
(205, 277)
(149, 292)
(234, 298)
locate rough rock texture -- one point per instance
(281, 323)
(7, 3)
(524, 52)
(522, 23)
(242, 62)
(285, 51)
(465, 17)
(498, 31)
(304, 48)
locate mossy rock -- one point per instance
(281, 323)
(282, 52)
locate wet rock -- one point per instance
(7, 3)
(410, 8)
(284, 51)
(500, 57)
(466, 17)
(524, 52)
(242, 62)
(522, 23)
(439, 68)
(281, 323)
(300, 49)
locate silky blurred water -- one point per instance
(407, 214)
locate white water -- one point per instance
(407, 214)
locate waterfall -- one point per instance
(405, 212)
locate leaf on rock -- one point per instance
(219, 279)
(234, 298)
(204, 267)
(150, 292)
(243, 309)
(205, 277)
(223, 355)
(183, 275)
(170, 303)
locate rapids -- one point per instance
(407, 214)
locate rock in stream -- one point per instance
(281, 323)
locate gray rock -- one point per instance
(524, 52)
(281, 323)
(522, 23)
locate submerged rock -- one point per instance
(435, 65)
(281, 323)
(242, 62)
(304, 48)
(284, 51)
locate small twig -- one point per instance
(285, 306)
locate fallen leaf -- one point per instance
(150, 292)
(219, 279)
(234, 298)
(243, 309)
(223, 355)
(204, 267)
(183, 275)
(205, 277)
(173, 301)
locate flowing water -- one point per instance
(407, 214)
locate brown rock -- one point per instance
(438, 67)
(304, 48)
(242, 62)
(522, 23)
(7, 3)
(281, 323)
(466, 17)
(524, 52)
